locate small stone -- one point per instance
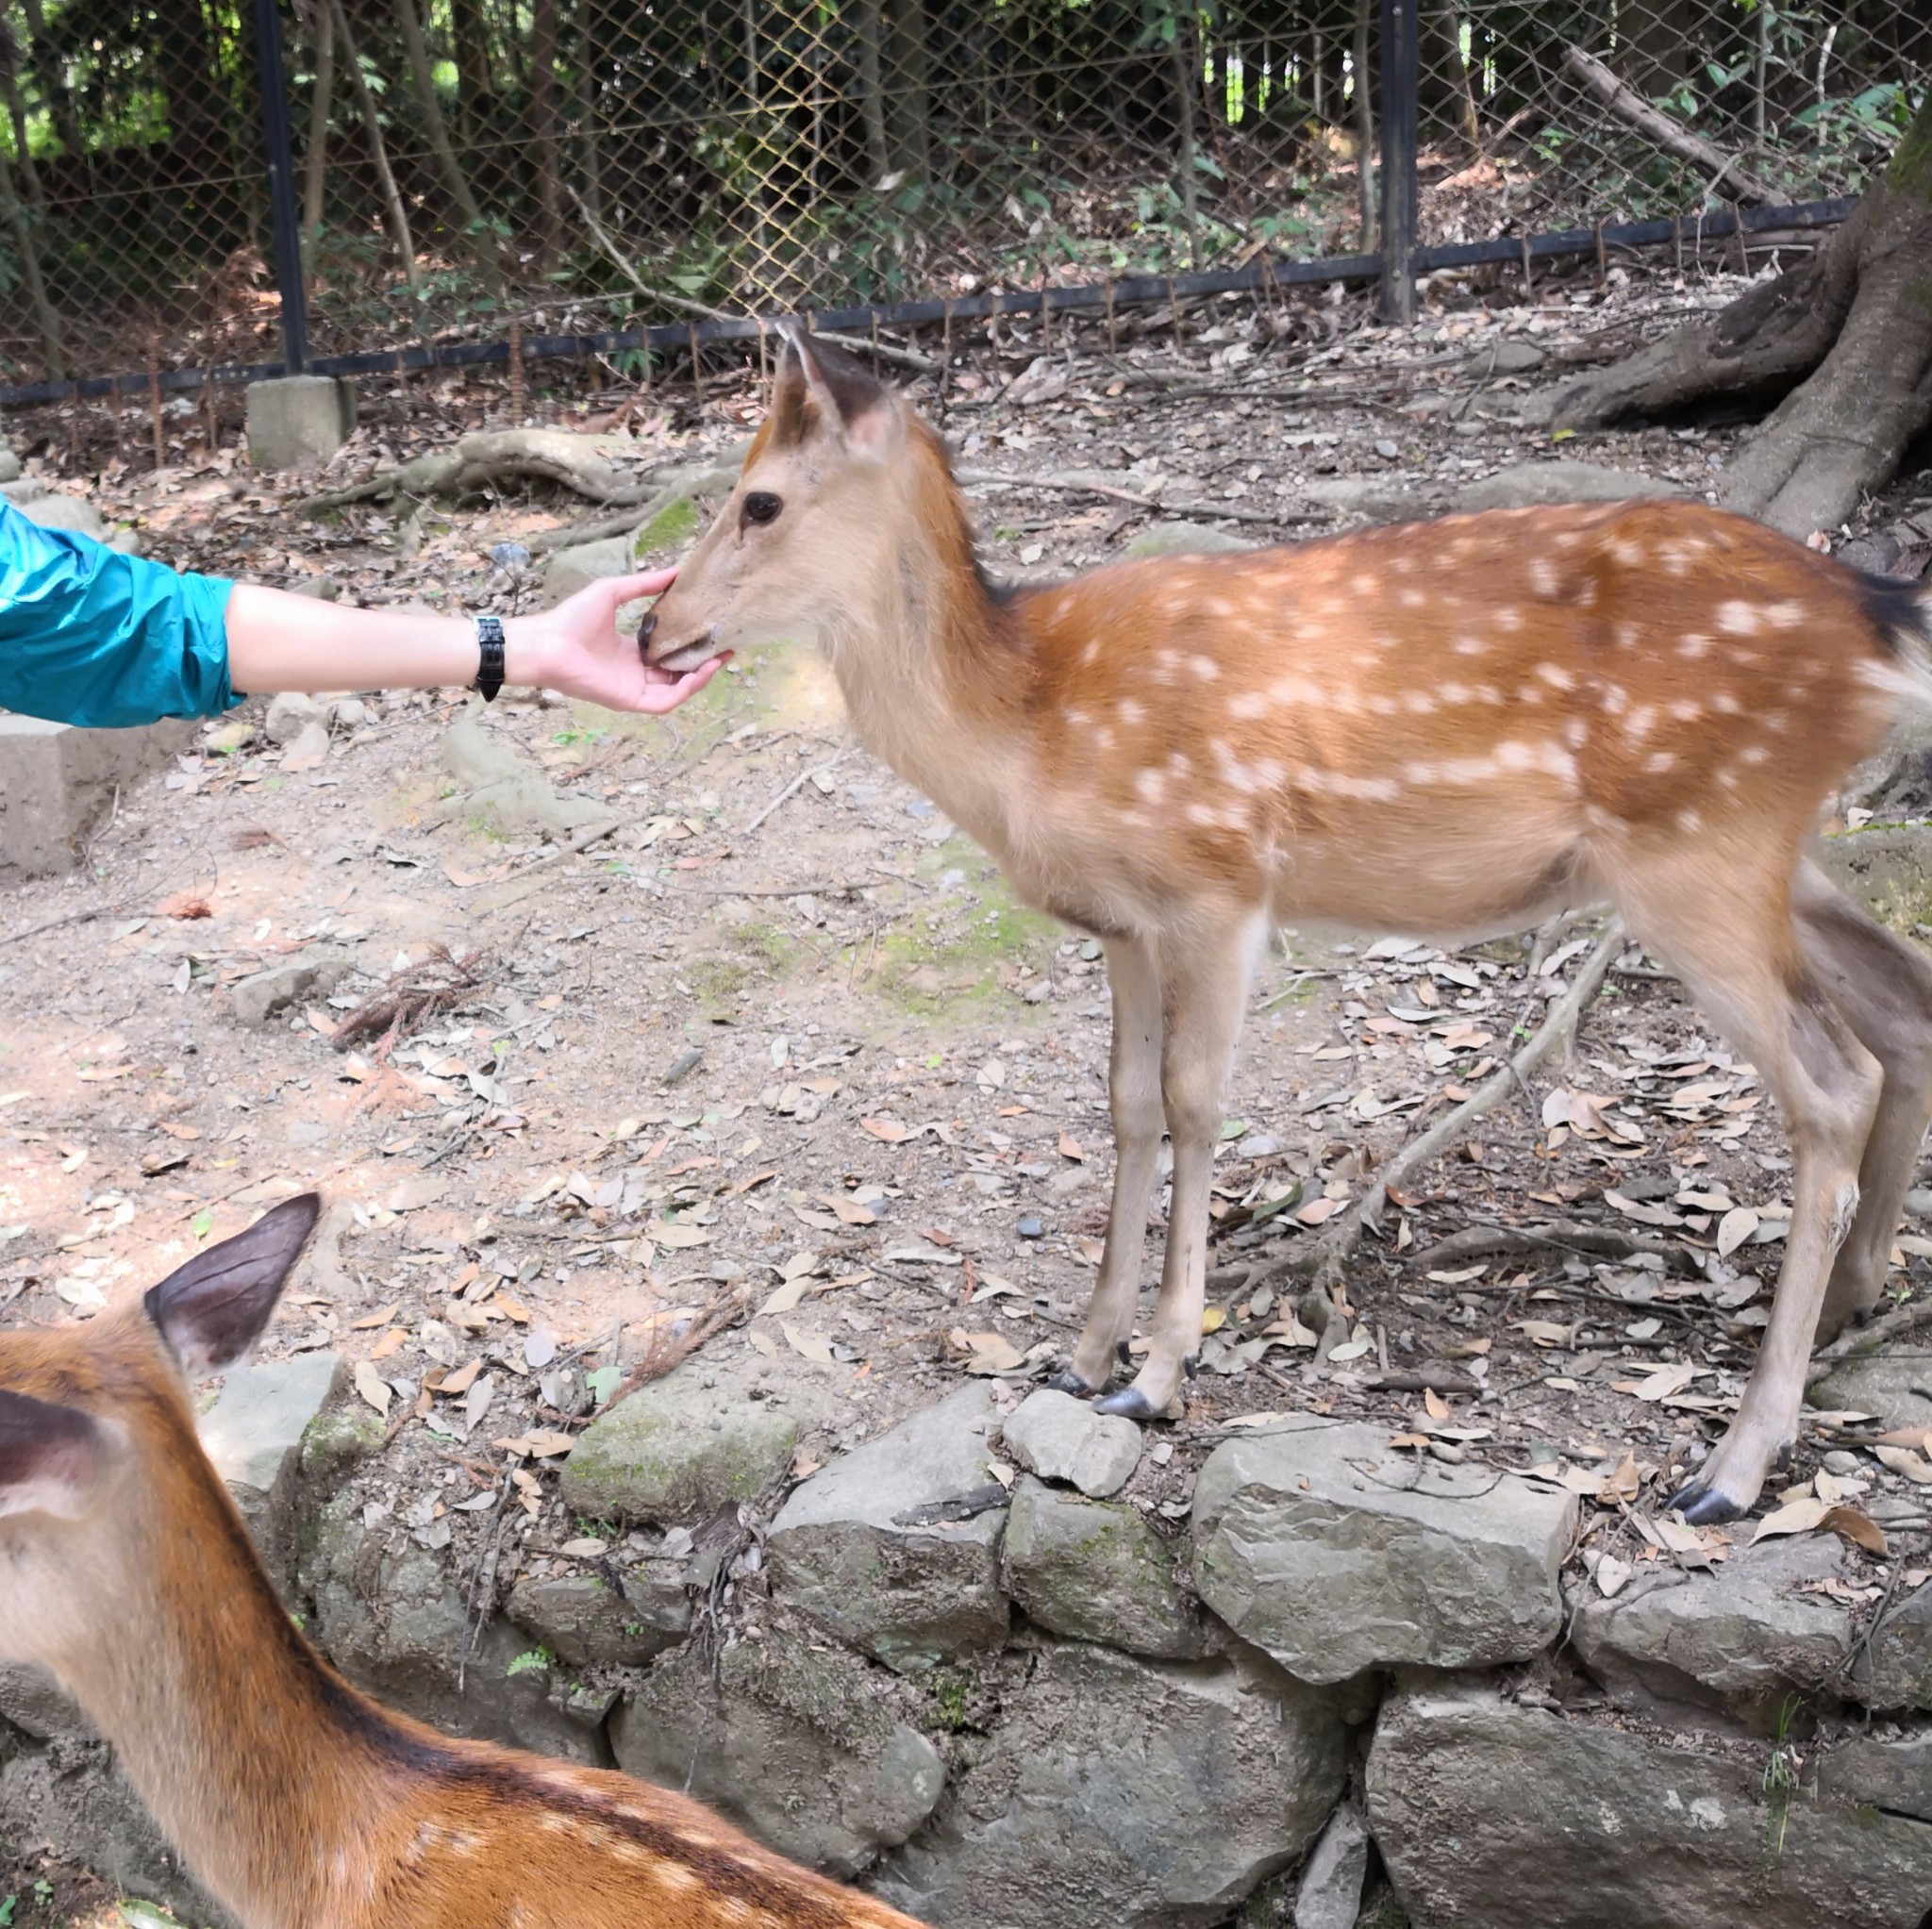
(225, 740)
(1530, 485)
(1507, 358)
(571, 570)
(582, 1621)
(291, 713)
(10, 464)
(324, 588)
(1387, 450)
(1330, 1894)
(1839, 1461)
(347, 713)
(1031, 1229)
(1258, 1145)
(256, 999)
(1059, 1437)
(1183, 538)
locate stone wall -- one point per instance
(954, 1668)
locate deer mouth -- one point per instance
(665, 653)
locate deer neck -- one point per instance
(931, 665)
(259, 1765)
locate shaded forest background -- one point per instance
(465, 160)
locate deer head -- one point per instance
(837, 488)
(94, 1424)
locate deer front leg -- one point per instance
(1134, 1088)
(1204, 975)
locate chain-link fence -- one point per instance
(590, 164)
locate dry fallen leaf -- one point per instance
(373, 1386)
(1860, 1528)
(1613, 1575)
(812, 1346)
(391, 1342)
(887, 1131)
(461, 1380)
(1438, 1407)
(369, 1322)
(1070, 1148)
(789, 1295)
(1734, 1228)
(185, 904)
(1914, 1466)
(1795, 1517)
(1667, 1380)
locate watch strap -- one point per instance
(489, 656)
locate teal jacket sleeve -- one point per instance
(90, 636)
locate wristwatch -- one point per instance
(489, 656)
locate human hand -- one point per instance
(576, 650)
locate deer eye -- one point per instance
(760, 505)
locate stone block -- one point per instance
(256, 999)
(57, 783)
(299, 422)
(1741, 1637)
(1335, 1551)
(700, 1439)
(800, 1745)
(581, 1619)
(574, 569)
(1489, 1812)
(1059, 1437)
(1183, 538)
(1098, 1574)
(1118, 1793)
(873, 1548)
(1895, 1671)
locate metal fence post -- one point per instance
(281, 185)
(1400, 86)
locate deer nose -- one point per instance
(645, 627)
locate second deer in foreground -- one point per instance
(1448, 730)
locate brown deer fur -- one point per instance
(1448, 730)
(298, 1802)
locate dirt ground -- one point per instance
(818, 1074)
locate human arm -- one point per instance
(277, 641)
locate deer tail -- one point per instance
(1901, 615)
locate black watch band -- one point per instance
(489, 656)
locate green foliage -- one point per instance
(528, 1662)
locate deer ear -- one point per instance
(50, 1457)
(212, 1310)
(822, 388)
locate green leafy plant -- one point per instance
(528, 1662)
(1781, 1774)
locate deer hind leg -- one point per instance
(1134, 1088)
(1884, 986)
(1731, 939)
(1204, 978)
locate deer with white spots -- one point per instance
(1448, 730)
(297, 1801)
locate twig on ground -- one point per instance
(412, 996)
(666, 1351)
(1326, 1257)
(1563, 1235)
(1727, 176)
(1074, 483)
(790, 789)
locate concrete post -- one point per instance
(298, 421)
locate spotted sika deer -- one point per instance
(298, 1802)
(1446, 730)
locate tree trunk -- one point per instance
(872, 86)
(476, 234)
(378, 151)
(1845, 339)
(544, 129)
(907, 106)
(315, 157)
(52, 75)
(20, 228)
(469, 33)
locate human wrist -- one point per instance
(526, 651)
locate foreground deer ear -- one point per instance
(822, 389)
(50, 1457)
(212, 1310)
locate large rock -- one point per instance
(397, 1622)
(1124, 1794)
(1531, 484)
(73, 513)
(1183, 538)
(1741, 1637)
(799, 1744)
(1491, 1815)
(1059, 1437)
(57, 782)
(681, 1448)
(1097, 1572)
(1330, 1891)
(581, 1619)
(254, 1436)
(36, 1704)
(1885, 867)
(1895, 1385)
(1892, 1776)
(1895, 1671)
(507, 792)
(1335, 1551)
(865, 1547)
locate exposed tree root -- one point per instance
(1326, 1256)
(1845, 339)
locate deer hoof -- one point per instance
(1068, 1381)
(1130, 1403)
(1705, 1506)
